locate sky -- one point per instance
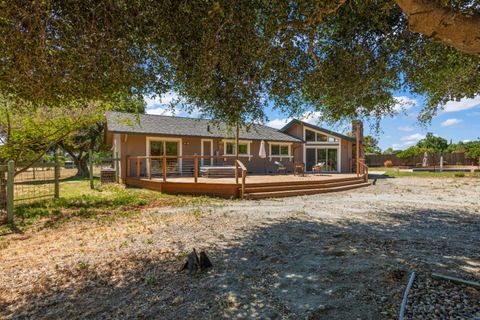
(458, 121)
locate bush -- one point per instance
(459, 174)
(388, 163)
(458, 163)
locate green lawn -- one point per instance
(103, 202)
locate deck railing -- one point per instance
(362, 170)
(193, 166)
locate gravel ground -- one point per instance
(333, 256)
(436, 299)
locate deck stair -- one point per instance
(288, 189)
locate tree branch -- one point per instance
(453, 28)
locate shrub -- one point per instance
(459, 174)
(458, 163)
(388, 163)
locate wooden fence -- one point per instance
(378, 160)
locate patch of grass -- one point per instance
(421, 174)
(105, 202)
(151, 279)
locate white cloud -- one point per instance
(278, 123)
(163, 106)
(309, 117)
(412, 139)
(405, 129)
(403, 103)
(463, 104)
(450, 122)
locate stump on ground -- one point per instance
(195, 263)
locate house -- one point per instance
(298, 141)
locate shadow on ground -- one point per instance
(293, 268)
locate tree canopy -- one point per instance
(370, 145)
(230, 59)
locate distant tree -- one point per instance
(473, 150)
(410, 152)
(91, 135)
(433, 145)
(370, 145)
(390, 150)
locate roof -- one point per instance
(119, 122)
(314, 127)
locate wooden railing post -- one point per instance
(56, 174)
(150, 168)
(117, 168)
(138, 167)
(10, 190)
(195, 169)
(244, 175)
(164, 168)
(128, 167)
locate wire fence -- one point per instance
(20, 184)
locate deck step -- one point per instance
(299, 192)
(300, 182)
(317, 185)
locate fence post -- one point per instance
(10, 180)
(117, 168)
(56, 174)
(90, 163)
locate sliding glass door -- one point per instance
(164, 148)
(321, 155)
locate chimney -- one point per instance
(357, 127)
(208, 127)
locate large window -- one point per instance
(160, 147)
(163, 148)
(230, 149)
(312, 136)
(279, 150)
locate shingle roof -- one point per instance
(181, 126)
(306, 124)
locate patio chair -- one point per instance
(299, 169)
(318, 167)
(281, 167)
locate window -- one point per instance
(310, 135)
(279, 150)
(230, 148)
(321, 137)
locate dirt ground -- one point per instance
(345, 255)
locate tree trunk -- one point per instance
(82, 168)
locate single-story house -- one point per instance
(297, 142)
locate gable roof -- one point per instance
(119, 122)
(314, 127)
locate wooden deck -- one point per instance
(256, 186)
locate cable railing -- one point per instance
(164, 167)
(189, 167)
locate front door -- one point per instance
(207, 150)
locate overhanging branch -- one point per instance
(453, 28)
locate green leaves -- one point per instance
(230, 59)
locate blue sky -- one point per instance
(459, 121)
